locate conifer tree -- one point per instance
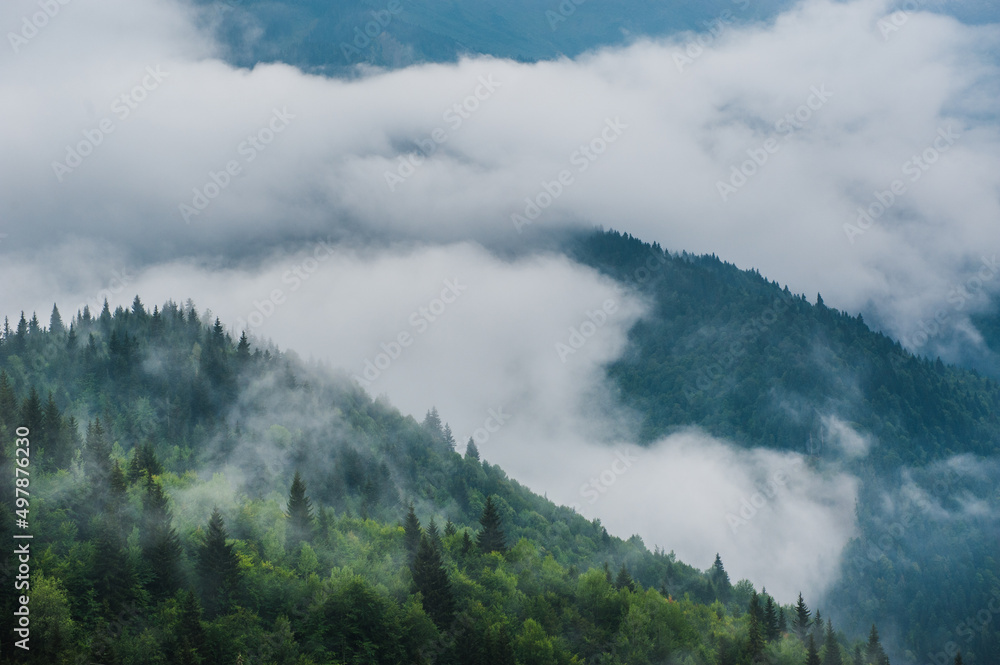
(771, 620)
(466, 544)
(218, 568)
(8, 405)
(300, 517)
(161, 547)
(411, 533)
(190, 632)
(874, 651)
(624, 580)
(32, 415)
(54, 453)
(958, 658)
(55, 322)
(431, 580)
(802, 620)
(755, 646)
(471, 450)
(21, 332)
(449, 528)
(831, 649)
(782, 621)
(817, 628)
(243, 349)
(491, 538)
(812, 656)
(112, 572)
(434, 535)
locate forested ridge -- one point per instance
(197, 499)
(744, 358)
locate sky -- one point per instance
(841, 148)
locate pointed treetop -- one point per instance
(55, 321)
(471, 451)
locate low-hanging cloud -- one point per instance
(137, 162)
(797, 124)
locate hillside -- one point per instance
(195, 499)
(742, 357)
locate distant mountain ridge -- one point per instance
(729, 351)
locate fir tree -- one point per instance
(812, 656)
(54, 452)
(756, 632)
(112, 573)
(466, 544)
(471, 451)
(411, 533)
(218, 568)
(432, 421)
(449, 528)
(831, 649)
(771, 620)
(818, 628)
(958, 658)
(32, 415)
(782, 621)
(431, 580)
(243, 349)
(55, 322)
(190, 633)
(8, 405)
(300, 517)
(161, 547)
(874, 651)
(434, 535)
(624, 580)
(491, 538)
(802, 620)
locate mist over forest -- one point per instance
(524, 333)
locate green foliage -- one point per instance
(135, 563)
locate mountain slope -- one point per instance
(162, 532)
(745, 359)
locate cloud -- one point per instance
(841, 105)
(137, 162)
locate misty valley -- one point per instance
(507, 332)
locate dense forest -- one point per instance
(193, 498)
(746, 359)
